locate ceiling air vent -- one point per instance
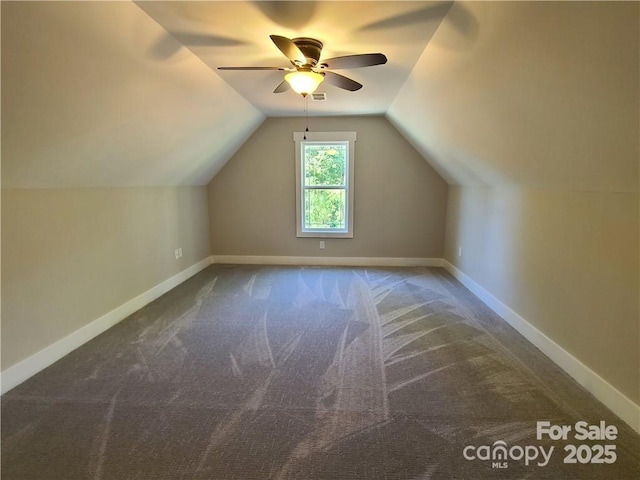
(319, 96)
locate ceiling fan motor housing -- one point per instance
(310, 47)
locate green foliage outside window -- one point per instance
(325, 172)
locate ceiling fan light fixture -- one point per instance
(304, 82)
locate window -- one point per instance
(324, 184)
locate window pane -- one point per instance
(324, 209)
(325, 164)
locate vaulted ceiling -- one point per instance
(237, 34)
(102, 94)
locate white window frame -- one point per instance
(318, 137)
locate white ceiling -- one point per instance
(99, 94)
(102, 95)
(237, 33)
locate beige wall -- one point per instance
(87, 104)
(400, 201)
(534, 111)
(565, 261)
(71, 255)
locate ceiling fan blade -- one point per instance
(290, 49)
(283, 87)
(253, 68)
(341, 81)
(355, 61)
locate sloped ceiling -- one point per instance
(534, 94)
(540, 94)
(99, 94)
(84, 105)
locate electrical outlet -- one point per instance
(321, 244)
(459, 251)
(180, 252)
(177, 253)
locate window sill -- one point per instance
(324, 235)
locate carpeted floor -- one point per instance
(249, 373)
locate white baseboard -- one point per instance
(328, 261)
(18, 373)
(616, 401)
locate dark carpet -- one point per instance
(249, 373)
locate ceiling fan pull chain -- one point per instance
(306, 118)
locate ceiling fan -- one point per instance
(307, 71)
